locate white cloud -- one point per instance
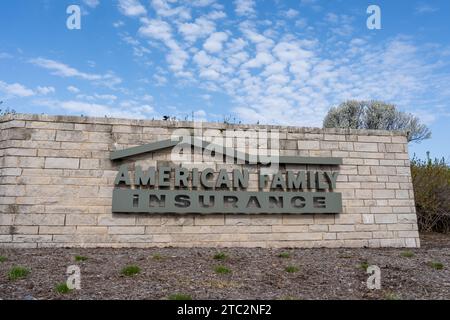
(159, 79)
(273, 74)
(202, 3)
(4, 55)
(118, 24)
(200, 28)
(163, 9)
(425, 8)
(156, 29)
(291, 13)
(73, 89)
(63, 70)
(132, 8)
(161, 30)
(261, 59)
(99, 110)
(215, 15)
(245, 7)
(200, 115)
(215, 42)
(45, 90)
(92, 3)
(15, 90)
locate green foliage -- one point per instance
(18, 272)
(375, 115)
(3, 258)
(179, 296)
(436, 265)
(364, 265)
(391, 296)
(407, 254)
(284, 255)
(130, 270)
(80, 258)
(157, 256)
(220, 256)
(291, 269)
(431, 181)
(222, 270)
(62, 288)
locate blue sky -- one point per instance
(266, 61)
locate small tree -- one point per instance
(376, 115)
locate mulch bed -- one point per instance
(255, 273)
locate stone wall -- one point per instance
(56, 184)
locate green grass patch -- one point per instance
(3, 258)
(222, 270)
(407, 254)
(179, 296)
(363, 265)
(220, 256)
(62, 288)
(436, 265)
(80, 258)
(18, 272)
(292, 269)
(130, 270)
(157, 256)
(284, 255)
(391, 296)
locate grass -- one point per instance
(284, 255)
(157, 256)
(62, 288)
(292, 269)
(436, 265)
(391, 296)
(3, 258)
(407, 254)
(80, 258)
(179, 296)
(364, 265)
(130, 270)
(18, 272)
(220, 256)
(222, 270)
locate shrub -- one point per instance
(179, 296)
(18, 272)
(284, 255)
(436, 265)
(3, 259)
(220, 256)
(431, 180)
(157, 256)
(364, 265)
(391, 296)
(292, 269)
(222, 270)
(407, 254)
(130, 270)
(62, 288)
(80, 258)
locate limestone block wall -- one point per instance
(56, 183)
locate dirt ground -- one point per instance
(255, 273)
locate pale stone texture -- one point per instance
(56, 181)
